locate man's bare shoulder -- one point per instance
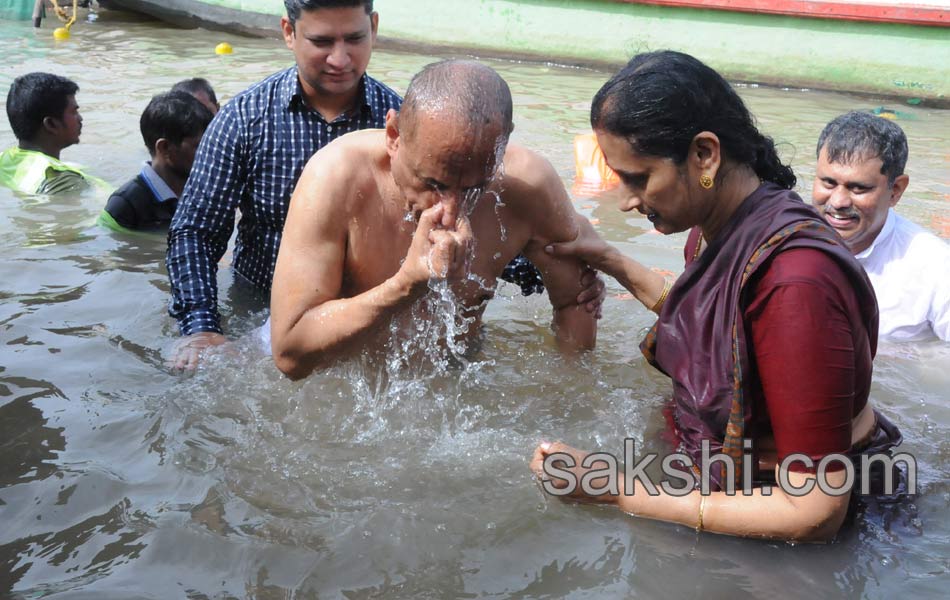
(345, 168)
(347, 157)
(527, 168)
(529, 179)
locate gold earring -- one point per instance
(706, 181)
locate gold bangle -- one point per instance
(702, 508)
(667, 286)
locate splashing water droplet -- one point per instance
(499, 204)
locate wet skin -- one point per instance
(350, 255)
(69, 127)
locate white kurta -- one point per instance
(909, 268)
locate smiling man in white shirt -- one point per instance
(859, 179)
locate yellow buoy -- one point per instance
(223, 48)
(60, 33)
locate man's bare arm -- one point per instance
(543, 196)
(310, 324)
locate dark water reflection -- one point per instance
(119, 479)
(30, 448)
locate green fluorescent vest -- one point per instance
(26, 170)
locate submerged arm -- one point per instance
(203, 222)
(575, 328)
(811, 517)
(199, 232)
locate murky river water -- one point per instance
(119, 479)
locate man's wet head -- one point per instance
(448, 141)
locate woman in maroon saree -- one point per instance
(769, 333)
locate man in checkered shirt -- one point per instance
(254, 151)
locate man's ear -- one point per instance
(287, 29)
(392, 132)
(897, 190)
(162, 146)
(705, 154)
(374, 24)
(51, 124)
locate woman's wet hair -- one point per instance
(661, 100)
(861, 136)
(173, 116)
(295, 7)
(34, 97)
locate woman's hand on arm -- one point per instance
(646, 285)
(587, 246)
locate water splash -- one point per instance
(499, 204)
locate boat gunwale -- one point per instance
(836, 10)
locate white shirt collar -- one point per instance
(881, 237)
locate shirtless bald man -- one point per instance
(437, 195)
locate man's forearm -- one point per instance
(336, 328)
(575, 328)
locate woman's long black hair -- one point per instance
(661, 100)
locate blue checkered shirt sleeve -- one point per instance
(199, 233)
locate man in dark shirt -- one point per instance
(254, 152)
(172, 125)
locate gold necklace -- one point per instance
(699, 246)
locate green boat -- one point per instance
(894, 49)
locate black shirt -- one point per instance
(135, 206)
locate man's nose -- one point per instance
(840, 197)
(339, 57)
(451, 202)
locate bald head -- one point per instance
(471, 95)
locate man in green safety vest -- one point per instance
(45, 118)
